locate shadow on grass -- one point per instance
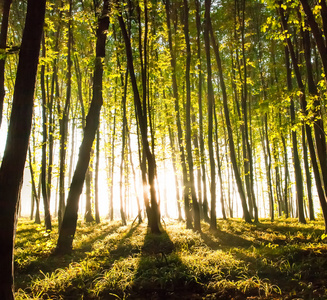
(161, 273)
(81, 269)
(223, 240)
(48, 263)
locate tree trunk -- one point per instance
(248, 150)
(96, 178)
(296, 159)
(64, 123)
(154, 215)
(201, 140)
(34, 192)
(68, 227)
(195, 204)
(3, 44)
(13, 162)
(298, 175)
(186, 190)
(111, 199)
(124, 82)
(307, 175)
(317, 33)
(88, 191)
(246, 214)
(213, 217)
(134, 176)
(285, 200)
(222, 198)
(174, 162)
(46, 204)
(54, 94)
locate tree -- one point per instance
(141, 113)
(68, 226)
(195, 204)
(210, 95)
(3, 45)
(232, 152)
(13, 162)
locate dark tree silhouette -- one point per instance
(68, 226)
(13, 163)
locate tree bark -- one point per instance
(46, 204)
(195, 204)
(13, 162)
(154, 215)
(186, 190)
(307, 174)
(124, 82)
(68, 227)
(3, 44)
(246, 214)
(222, 198)
(201, 140)
(64, 123)
(210, 95)
(320, 41)
(297, 166)
(96, 178)
(35, 195)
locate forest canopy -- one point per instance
(195, 110)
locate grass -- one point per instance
(280, 260)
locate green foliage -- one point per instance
(241, 260)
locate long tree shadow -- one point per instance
(267, 253)
(223, 240)
(115, 244)
(48, 263)
(161, 273)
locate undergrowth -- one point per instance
(280, 260)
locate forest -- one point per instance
(172, 149)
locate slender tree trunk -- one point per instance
(201, 140)
(88, 191)
(296, 159)
(270, 188)
(237, 174)
(307, 175)
(68, 227)
(195, 204)
(134, 176)
(96, 178)
(297, 166)
(248, 150)
(34, 192)
(154, 216)
(317, 33)
(54, 95)
(64, 123)
(186, 190)
(174, 162)
(320, 138)
(222, 198)
(213, 217)
(46, 204)
(3, 44)
(123, 156)
(111, 199)
(13, 162)
(285, 200)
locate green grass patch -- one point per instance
(256, 261)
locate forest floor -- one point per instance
(279, 260)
